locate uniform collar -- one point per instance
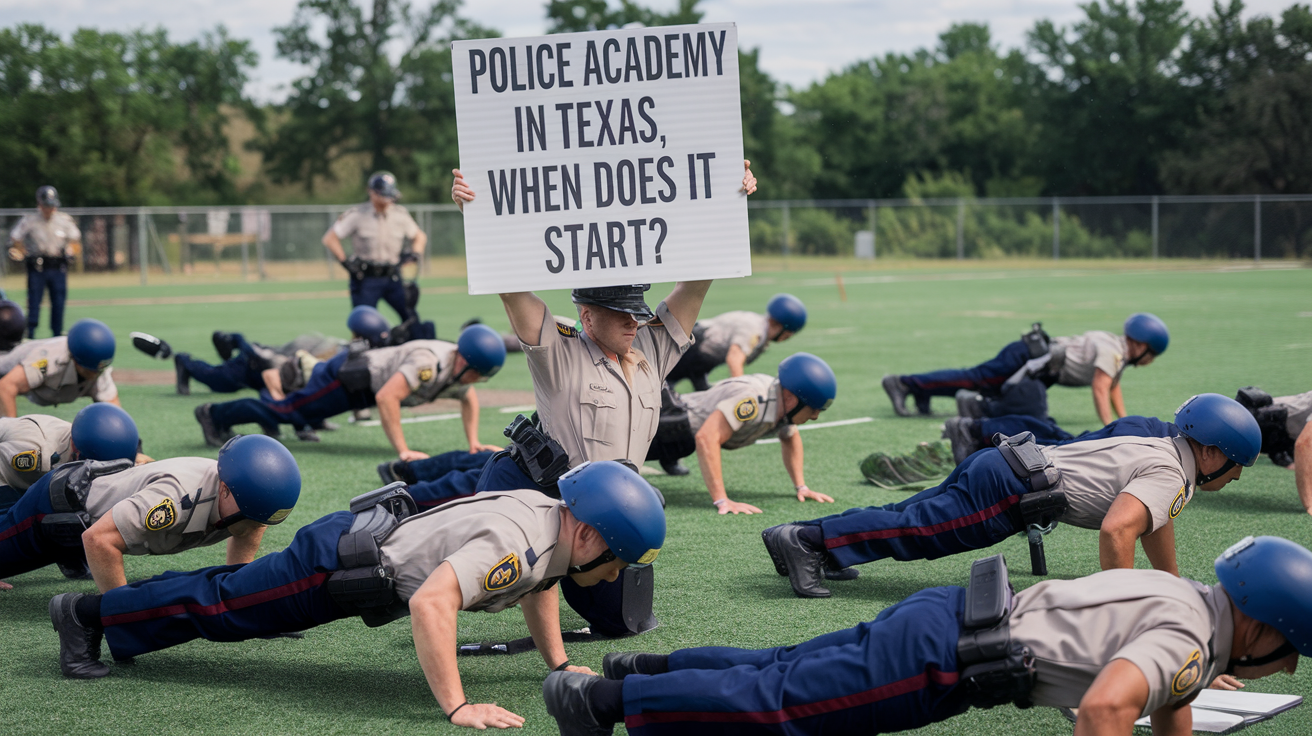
(1187, 461)
(599, 355)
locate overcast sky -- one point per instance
(800, 40)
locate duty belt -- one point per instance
(541, 458)
(1027, 461)
(994, 670)
(41, 263)
(1041, 507)
(379, 270)
(364, 585)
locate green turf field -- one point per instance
(716, 586)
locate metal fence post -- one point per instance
(1056, 230)
(786, 229)
(961, 228)
(874, 232)
(1154, 227)
(143, 247)
(1257, 227)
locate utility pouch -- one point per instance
(541, 458)
(71, 482)
(1036, 340)
(674, 437)
(364, 583)
(354, 376)
(65, 529)
(1253, 398)
(1027, 461)
(994, 670)
(1039, 511)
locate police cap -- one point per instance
(619, 298)
(46, 196)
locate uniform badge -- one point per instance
(1188, 676)
(41, 365)
(648, 557)
(1178, 504)
(756, 340)
(425, 375)
(161, 516)
(566, 330)
(503, 574)
(26, 462)
(745, 410)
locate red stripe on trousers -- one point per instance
(925, 531)
(245, 601)
(806, 710)
(289, 408)
(21, 527)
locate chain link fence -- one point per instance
(284, 241)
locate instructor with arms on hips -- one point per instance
(378, 230)
(44, 240)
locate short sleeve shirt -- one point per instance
(52, 375)
(42, 237)
(1177, 632)
(502, 546)
(1299, 412)
(29, 446)
(376, 237)
(749, 403)
(583, 399)
(748, 330)
(1159, 471)
(428, 367)
(1087, 353)
(162, 507)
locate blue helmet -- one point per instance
(483, 349)
(620, 505)
(788, 311)
(12, 325)
(91, 344)
(810, 379)
(262, 477)
(1149, 330)
(1213, 419)
(104, 432)
(370, 324)
(1270, 579)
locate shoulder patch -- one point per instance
(425, 375)
(756, 340)
(503, 574)
(41, 365)
(745, 410)
(161, 516)
(26, 462)
(1178, 504)
(566, 330)
(1188, 676)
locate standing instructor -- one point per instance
(44, 240)
(378, 230)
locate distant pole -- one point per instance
(1154, 227)
(961, 228)
(143, 246)
(1257, 227)
(874, 235)
(786, 228)
(1056, 230)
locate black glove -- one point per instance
(354, 266)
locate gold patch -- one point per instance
(26, 462)
(745, 410)
(756, 340)
(1178, 504)
(1188, 676)
(161, 516)
(41, 365)
(503, 574)
(566, 330)
(648, 557)
(425, 375)
(277, 516)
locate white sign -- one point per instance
(602, 158)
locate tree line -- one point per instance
(1137, 97)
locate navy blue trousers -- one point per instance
(238, 372)
(460, 478)
(23, 547)
(1046, 432)
(895, 673)
(8, 497)
(320, 398)
(368, 291)
(277, 593)
(985, 377)
(437, 466)
(56, 280)
(971, 509)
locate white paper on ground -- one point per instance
(1228, 711)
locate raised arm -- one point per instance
(526, 312)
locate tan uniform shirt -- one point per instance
(750, 404)
(162, 507)
(1089, 352)
(28, 446)
(1300, 412)
(1177, 632)
(376, 238)
(748, 330)
(583, 399)
(52, 375)
(42, 237)
(428, 367)
(502, 547)
(1158, 471)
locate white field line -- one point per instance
(821, 425)
(411, 420)
(518, 409)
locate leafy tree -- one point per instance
(568, 16)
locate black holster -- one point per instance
(1040, 508)
(994, 669)
(364, 585)
(674, 436)
(69, 486)
(541, 458)
(1273, 420)
(1027, 461)
(354, 376)
(1037, 341)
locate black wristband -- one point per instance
(458, 707)
(562, 666)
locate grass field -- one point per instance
(1230, 328)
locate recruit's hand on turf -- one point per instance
(583, 670)
(804, 493)
(478, 447)
(484, 715)
(733, 507)
(749, 180)
(5, 586)
(410, 455)
(460, 191)
(1226, 682)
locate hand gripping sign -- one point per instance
(610, 157)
